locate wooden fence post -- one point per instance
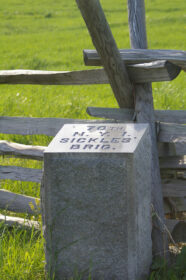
(145, 113)
(104, 42)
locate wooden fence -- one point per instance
(171, 133)
(139, 66)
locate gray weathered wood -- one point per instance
(16, 221)
(30, 126)
(136, 15)
(132, 56)
(179, 202)
(37, 126)
(174, 188)
(174, 162)
(171, 116)
(169, 175)
(172, 133)
(20, 174)
(172, 149)
(145, 113)
(19, 203)
(104, 42)
(180, 148)
(153, 71)
(111, 113)
(95, 76)
(139, 73)
(21, 151)
(168, 116)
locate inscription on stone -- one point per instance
(97, 138)
(96, 201)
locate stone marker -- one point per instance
(96, 202)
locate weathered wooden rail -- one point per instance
(155, 71)
(91, 57)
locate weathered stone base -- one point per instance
(96, 214)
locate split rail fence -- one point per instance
(142, 66)
(171, 133)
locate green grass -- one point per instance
(21, 254)
(160, 270)
(51, 35)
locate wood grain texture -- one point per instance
(125, 115)
(38, 126)
(105, 44)
(168, 116)
(145, 114)
(133, 56)
(171, 116)
(153, 71)
(19, 203)
(136, 16)
(20, 174)
(84, 77)
(172, 133)
(16, 221)
(139, 73)
(21, 151)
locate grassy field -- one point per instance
(51, 35)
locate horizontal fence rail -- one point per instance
(50, 126)
(172, 133)
(167, 116)
(172, 149)
(174, 162)
(20, 174)
(39, 126)
(139, 73)
(19, 203)
(131, 56)
(20, 150)
(174, 188)
(11, 221)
